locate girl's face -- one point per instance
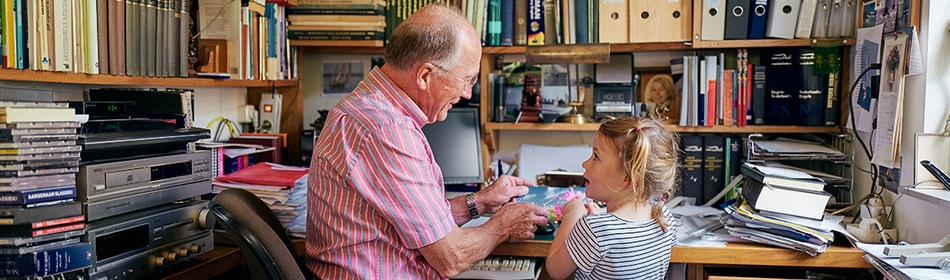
(604, 171)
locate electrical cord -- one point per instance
(874, 192)
(222, 123)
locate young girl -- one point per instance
(633, 169)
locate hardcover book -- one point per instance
(812, 90)
(781, 86)
(692, 164)
(795, 202)
(713, 169)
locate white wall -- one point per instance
(926, 105)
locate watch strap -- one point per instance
(470, 201)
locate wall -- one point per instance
(926, 104)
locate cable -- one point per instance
(222, 123)
(867, 151)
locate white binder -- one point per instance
(819, 28)
(806, 19)
(714, 20)
(783, 18)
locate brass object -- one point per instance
(574, 117)
(568, 54)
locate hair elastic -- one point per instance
(638, 129)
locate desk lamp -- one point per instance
(573, 55)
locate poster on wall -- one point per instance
(341, 77)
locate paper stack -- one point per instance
(809, 236)
(283, 188)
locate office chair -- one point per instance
(260, 236)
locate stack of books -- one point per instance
(283, 188)
(40, 220)
(356, 23)
(781, 207)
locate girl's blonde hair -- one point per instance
(650, 154)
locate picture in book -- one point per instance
(658, 91)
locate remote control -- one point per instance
(942, 177)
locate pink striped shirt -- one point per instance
(375, 191)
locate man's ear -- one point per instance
(424, 76)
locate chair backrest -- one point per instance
(258, 233)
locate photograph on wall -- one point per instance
(892, 68)
(657, 89)
(557, 89)
(341, 77)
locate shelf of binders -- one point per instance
(495, 126)
(35, 76)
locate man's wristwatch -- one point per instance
(470, 201)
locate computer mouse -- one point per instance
(545, 229)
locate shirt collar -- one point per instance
(397, 97)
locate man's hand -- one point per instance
(519, 220)
(502, 191)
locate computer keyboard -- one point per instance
(498, 267)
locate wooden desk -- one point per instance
(224, 258)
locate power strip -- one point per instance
(270, 112)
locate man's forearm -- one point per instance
(459, 208)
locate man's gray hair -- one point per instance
(421, 39)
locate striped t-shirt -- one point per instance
(375, 191)
(604, 246)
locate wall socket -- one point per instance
(270, 112)
(246, 113)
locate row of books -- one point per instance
(343, 23)
(256, 36)
(709, 162)
(792, 86)
(133, 37)
(41, 220)
(784, 19)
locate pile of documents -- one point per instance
(809, 236)
(283, 188)
(793, 149)
(781, 207)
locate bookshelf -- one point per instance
(25, 75)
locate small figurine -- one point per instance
(531, 99)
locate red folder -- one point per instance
(266, 175)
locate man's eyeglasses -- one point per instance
(471, 82)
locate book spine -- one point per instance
(335, 37)
(43, 263)
(812, 95)
(58, 229)
(535, 27)
(56, 222)
(330, 11)
(20, 215)
(507, 22)
(782, 86)
(494, 23)
(833, 100)
(692, 165)
(36, 196)
(713, 172)
(758, 94)
(520, 26)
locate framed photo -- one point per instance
(658, 91)
(893, 64)
(341, 77)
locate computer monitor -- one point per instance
(457, 147)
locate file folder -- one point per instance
(783, 17)
(841, 22)
(674, 17)
(758, 16)
(737, 19)
(614, 23)
(714, 20)
(819, 28)
(806, 19)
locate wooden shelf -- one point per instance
(680, 129)
(90, 79)
(766, 43)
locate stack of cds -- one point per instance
(40, 220)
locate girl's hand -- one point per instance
(574, 210)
